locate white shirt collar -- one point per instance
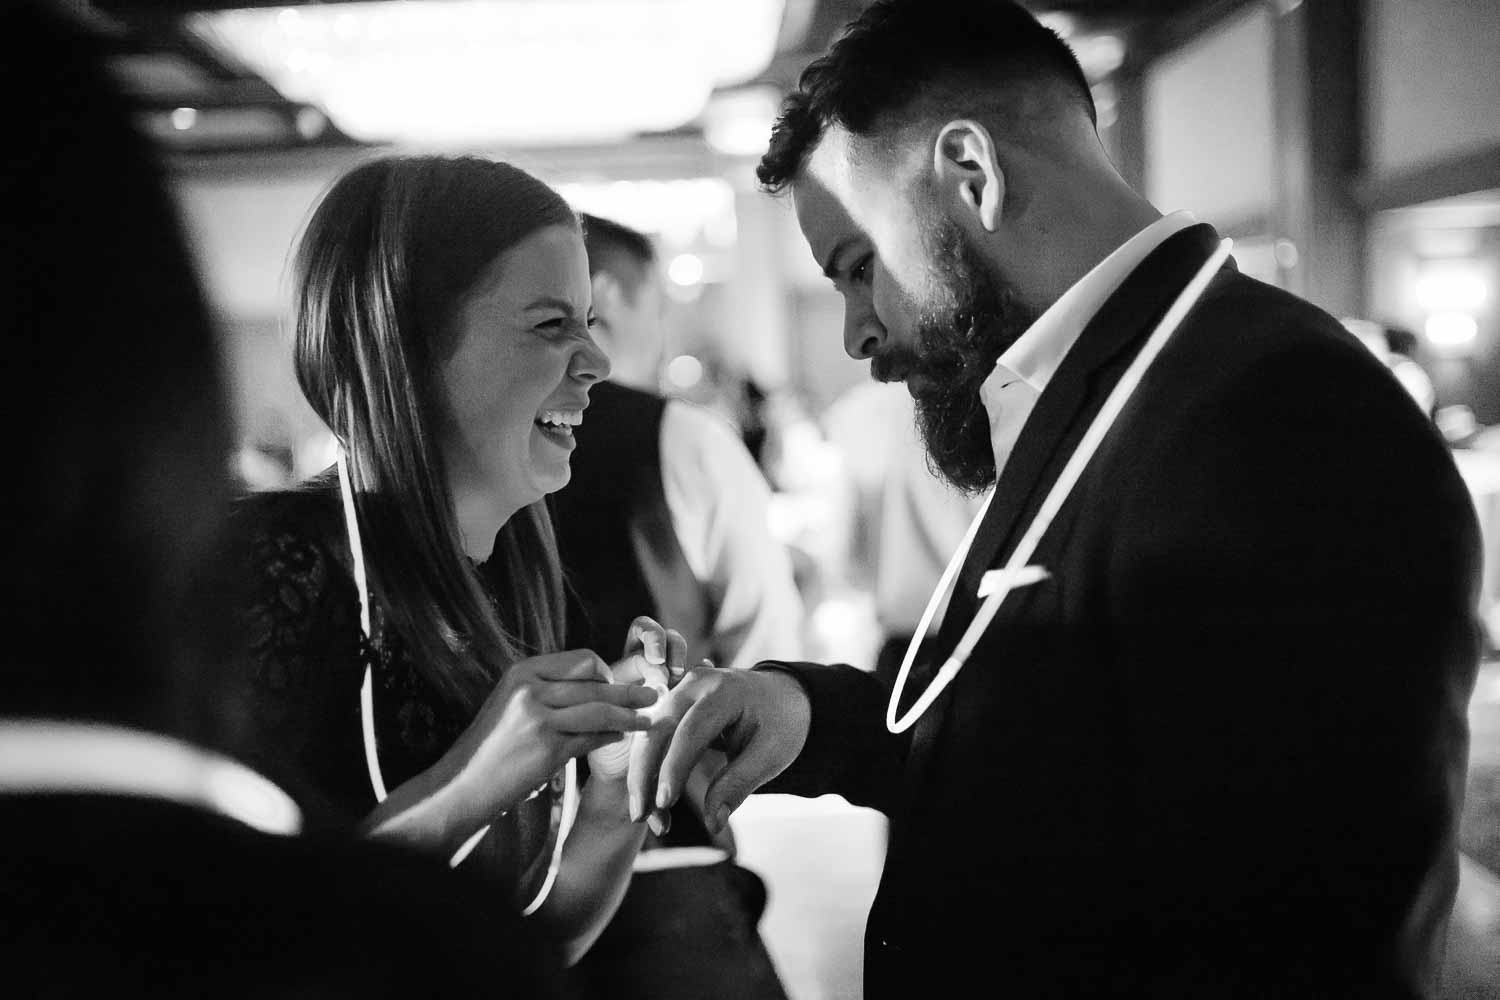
(1037, 353)
(58, 757)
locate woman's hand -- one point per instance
(546, 710)
(655, 657)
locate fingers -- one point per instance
(646, 752)
(634, 669)
(648, 649)
(679, 674)
(647, 636)
(597, 717)
(659, 822)
(732, 785)
(570, 665)
(566, 694)
(699, 727)
(677, 651)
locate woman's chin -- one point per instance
(548, 475)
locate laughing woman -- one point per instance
(407, 604)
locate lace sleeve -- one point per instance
(304, 647)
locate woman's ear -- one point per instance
(965, 165)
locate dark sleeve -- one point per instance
(303, 651)
(849, 751)
(1298, 642)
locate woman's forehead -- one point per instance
(550, 262)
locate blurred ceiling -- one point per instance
(201, 96)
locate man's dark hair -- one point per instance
(898, 50)
(623, 252)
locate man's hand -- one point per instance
(758, 718)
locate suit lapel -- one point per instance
(1060, 418)
(1063, 412)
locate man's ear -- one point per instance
(965, 164)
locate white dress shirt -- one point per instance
(718, 501)
(1027, 366)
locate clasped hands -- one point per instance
(646, 719)
(721, 733)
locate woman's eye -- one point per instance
(551, 325)
(593, 321)
(860, 272)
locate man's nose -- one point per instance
(863, 334)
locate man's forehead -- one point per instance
(829, 191)
(832, 162)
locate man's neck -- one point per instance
(1086, 232)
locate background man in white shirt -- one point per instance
(666, 515)
(905, 521)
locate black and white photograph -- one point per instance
(751, 499)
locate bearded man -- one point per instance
(1215, 748)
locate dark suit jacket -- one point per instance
(1219, 752)
(104, 895)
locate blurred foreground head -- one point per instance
(113, 410)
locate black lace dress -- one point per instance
(306, 663)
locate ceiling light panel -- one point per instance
(530, 72)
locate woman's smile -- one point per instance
(557, 426)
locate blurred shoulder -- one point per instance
(298, 530)
(311, 509)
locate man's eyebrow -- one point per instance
(550, 302)
(830, 266)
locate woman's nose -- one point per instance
(589, 362)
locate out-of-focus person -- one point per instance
(1396, 347)
(408, 663)
(138, 855)
(1404, 364)
(666, 514)
(905, 521)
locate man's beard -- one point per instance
(958, 340)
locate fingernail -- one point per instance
(652, 648)
(720, 818)
(655, 825)
(642, 721)
(637, 808)
(663, 795)
(649, 694)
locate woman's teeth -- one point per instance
(560, 420)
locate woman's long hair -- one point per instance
(379, 274)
